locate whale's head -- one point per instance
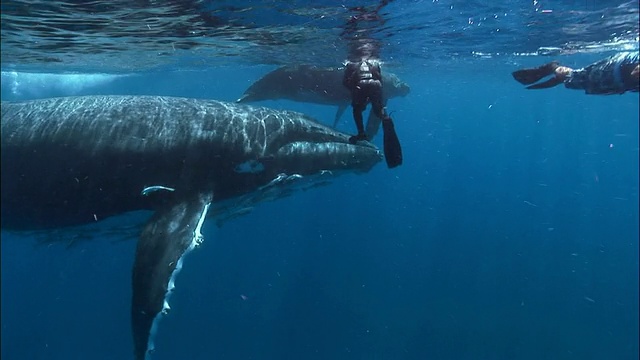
(309, 147)
(294, 143)
(278, 151)
(274, 85)
(394, 87)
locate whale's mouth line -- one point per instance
(342, 154)
(345, 141)
(332, 155)
(332, 148)
(329, 155)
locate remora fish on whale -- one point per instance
(320, 85)
(77, 160)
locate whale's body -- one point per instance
(78, 160)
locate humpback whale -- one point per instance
(78, 160)
(308, 83)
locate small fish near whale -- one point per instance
(319, 85)
(72, 161)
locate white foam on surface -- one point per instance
(36, 85)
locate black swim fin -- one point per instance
(546, 84)
(392, 148)
(529, 76)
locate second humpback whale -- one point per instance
(320, 85)
(78, 160)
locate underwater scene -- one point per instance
(408, 179)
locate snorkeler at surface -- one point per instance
(616, 74)
(363, 78)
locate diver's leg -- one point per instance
(377, 112)
(377, 104)
(561, 73)
(391, 143)
(357, 117)
(358, 105)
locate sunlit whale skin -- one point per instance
(77, 160)
(320, 85)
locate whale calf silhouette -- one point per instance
(319, 85)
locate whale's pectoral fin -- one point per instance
(169, 234)
(339, 112)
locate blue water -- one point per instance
(510, 232)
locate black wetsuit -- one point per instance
(608, 76)
(364, 80)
